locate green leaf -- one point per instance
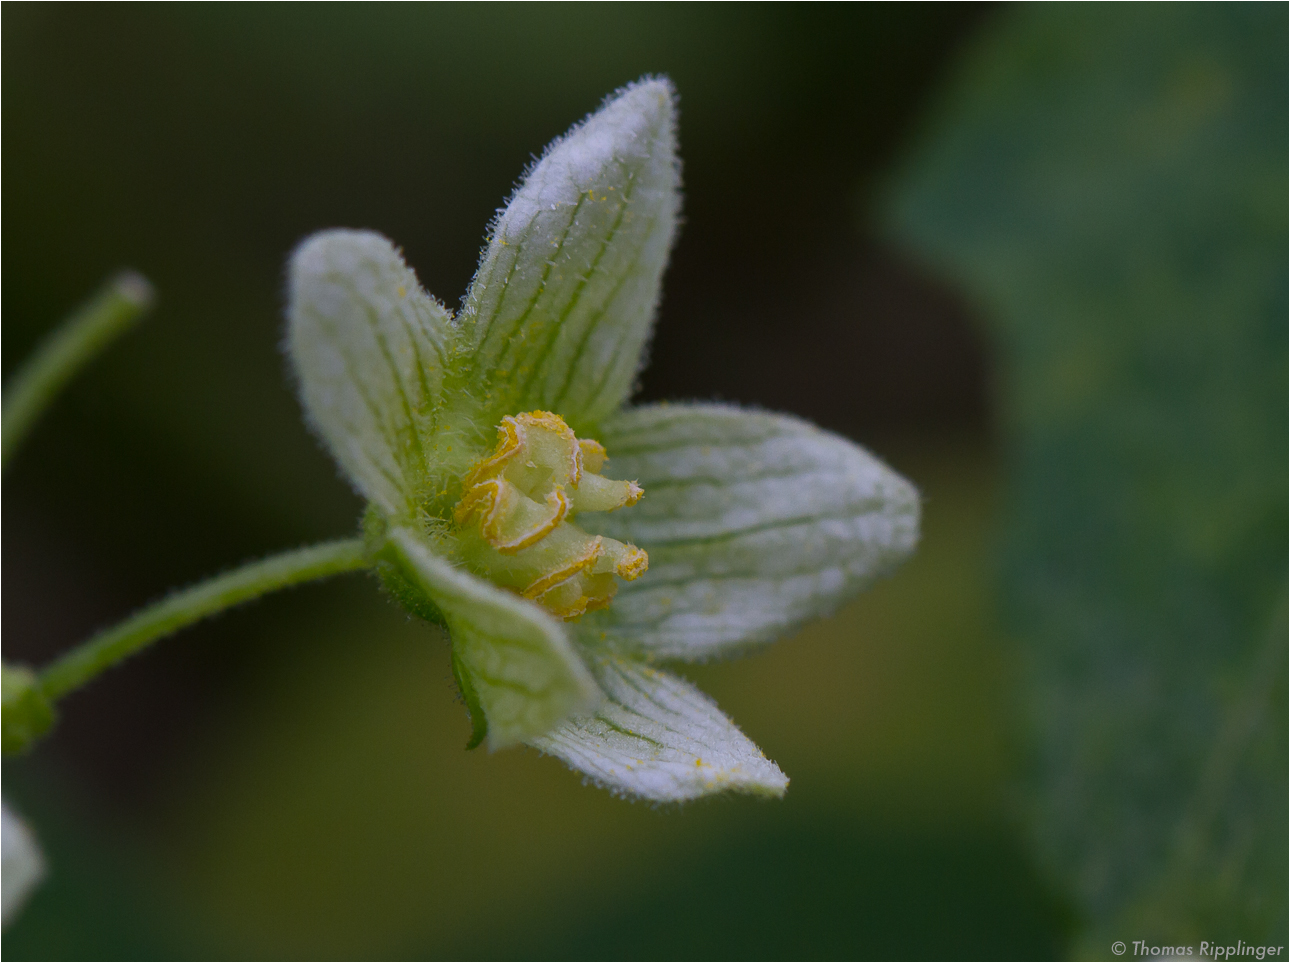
(564, 298)
(754, 523)
(368, 346)
(658, 737)
(523, 671)
(1110, 184)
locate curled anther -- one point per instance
(549, 580)
(508, 520)
(520, 500)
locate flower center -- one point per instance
(516, 509)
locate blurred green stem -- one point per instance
(94, 326)
(192, 604)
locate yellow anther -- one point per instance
(578, 595)
(633, 564)
(551, 579)
(593, 454)
(522, 498)
(508, 445)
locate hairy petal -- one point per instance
(754, 523)
(658, 737)
(562, 304)
(368, 347)
(523, 670)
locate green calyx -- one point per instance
(27, 714)
(393, 571)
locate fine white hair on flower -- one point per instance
(470, 438)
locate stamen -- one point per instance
(633, 565)
(593, 454)
(508, 445)
(552, 579)
(558, 506)
(522, 498)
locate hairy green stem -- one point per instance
(192, 604)
(98, 322)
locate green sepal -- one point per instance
(525, 673)
(27, 714)
(393, 578)
(478, 721)
(411, 598)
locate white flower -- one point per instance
(480, 443)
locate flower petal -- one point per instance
(562, 304)
(525, 673)
(368, 346)
(753, 522)
(21, 868)
(658, 737)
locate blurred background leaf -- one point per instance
(289, 780)
(1110, 184)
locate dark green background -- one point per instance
(288, 781)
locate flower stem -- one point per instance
(193, 604)
(94, 326)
